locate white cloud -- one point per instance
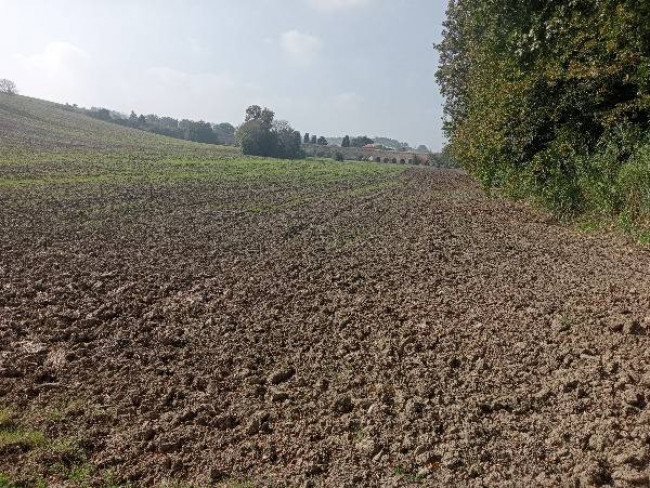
(300, 47)
(348, 101)
(335, 5)
(57, 59)
(66, 67)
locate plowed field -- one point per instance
(253, 323)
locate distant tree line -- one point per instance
(189, 130)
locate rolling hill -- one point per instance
(33, 126)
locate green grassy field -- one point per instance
(45, 144)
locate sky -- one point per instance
(329, 67)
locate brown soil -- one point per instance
(422, 336)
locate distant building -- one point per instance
(377, 147)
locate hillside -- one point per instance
(30, 126)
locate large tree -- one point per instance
(262, 135)
(346, 142)
(8, 86)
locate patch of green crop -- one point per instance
(179, 171)
(27, 439)
(6, 417)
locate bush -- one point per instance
(339, 156)
(633, 185)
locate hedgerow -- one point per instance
(551, 100)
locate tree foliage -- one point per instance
(346, 142)
(262, 135)
(190, 130)
(548, 98)
(361, 141)
(8, 87)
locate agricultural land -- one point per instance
(175, 314)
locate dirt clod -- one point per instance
(343, 404)
(281, 375)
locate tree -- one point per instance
(267, 116)
(307, 138)
(288, 141)
(256, 139)
(133, 119)
(254, 112)
(260, 135)
(346, 142)
(264, 115)
(200, 132)
(361, 141)
(8, 87)
(225, 132)
(322, 141)
(314, 140)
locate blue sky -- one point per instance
(330, 67)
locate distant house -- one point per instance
(377, 147)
